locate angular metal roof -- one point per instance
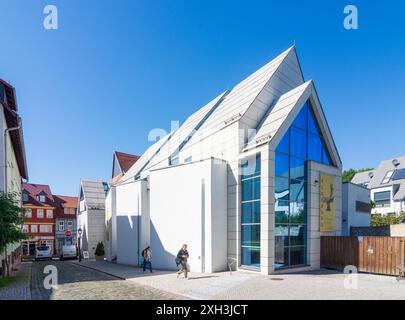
(94, 193)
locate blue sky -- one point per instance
(114, 70)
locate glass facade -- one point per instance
(250, 217)
(303, 141)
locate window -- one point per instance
(49, 214)
(25, 228)
(25, 196)
(45, 228)
(41, 198)
(387, 177)
(40, 213)
(250, 225)
(382, 199)
(61, 226)
(28, 213)
(70, 225)
(34, 228)
(303, 141)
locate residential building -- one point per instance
(252, 177)
(13, 164)
(38, 217)
(91, 214)
(356, 207)
(122, 162)
(387, 185)
(65, 222)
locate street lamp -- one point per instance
(79, 232)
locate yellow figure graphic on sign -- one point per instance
(327, 203)
(328, 199)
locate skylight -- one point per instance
(388, 176)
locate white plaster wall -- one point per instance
(350, 194)
(110, 253)
(223, 144)
(13, 173)
(132, 232)
(179, 196)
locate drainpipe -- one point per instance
(5, 150)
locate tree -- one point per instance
(99, 250)
(10, 223)
(348, 175)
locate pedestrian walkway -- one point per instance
(321, 284)
(198, 286)
(19, 288)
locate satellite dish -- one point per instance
(395, 162)
(371, 175)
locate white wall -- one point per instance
(352, 218)
(396, 207)
(13, 173)
(92, 223)
(188, 205)
(131, 221)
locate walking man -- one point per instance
(181, 259)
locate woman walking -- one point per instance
(181, 259)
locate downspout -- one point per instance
(5, 150)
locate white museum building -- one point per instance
(253, 177)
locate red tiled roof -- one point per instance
(68, 202)
(63, 202)
(34, 190)
(126, 160)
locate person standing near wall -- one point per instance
(147, 258)
(181, 259)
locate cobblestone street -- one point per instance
(75, 283)
(78, 283)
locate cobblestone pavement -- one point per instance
(20, 288)
(79, 283)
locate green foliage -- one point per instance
(7, 281)
(10, 220)
(348, 175)
(378, 220)
(99, 249)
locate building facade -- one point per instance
(121, 163)
(387, 186)
(91, 214)
(39, 209)
(13, 168)
(252, 177)
(65, 221)
(356, 207)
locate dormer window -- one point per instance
(25, 196)
(41, 198)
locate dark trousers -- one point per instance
(147, 263)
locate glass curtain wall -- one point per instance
(250, 216)
(303, 141)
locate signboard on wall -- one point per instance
(327, 197)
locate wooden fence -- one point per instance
(382, 255)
